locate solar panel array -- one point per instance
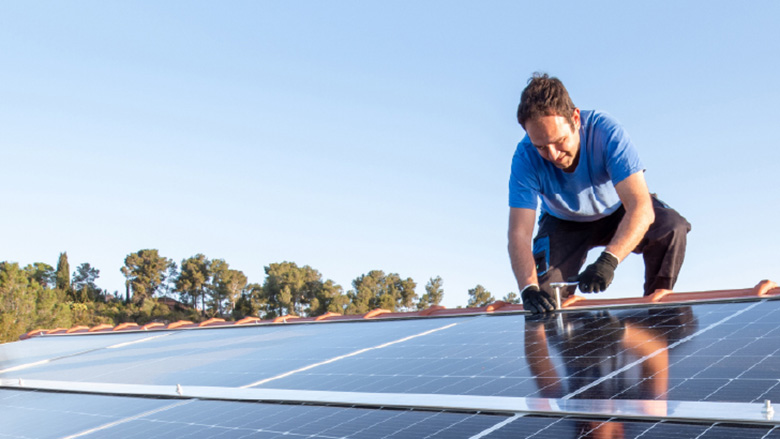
(644, 358)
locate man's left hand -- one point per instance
(598, 275)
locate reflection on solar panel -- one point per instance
(689, 369)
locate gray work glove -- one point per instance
(536, 300)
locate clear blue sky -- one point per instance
(360, 135)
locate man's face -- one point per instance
(556, 140)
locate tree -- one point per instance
(51, 311)
(145, 271)
(290, 289)
(251, 303)
(83, 284)
(226, 287)
(17, 305)
(193, 281)
(63, 273)
(479, 296)
(329, 297)
(434, 293)
(511, 297)
(40, 273)
(377, 290)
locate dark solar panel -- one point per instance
(583, 355)
(54, 415)
(708, 353)
(44, 415)
(544, 427)
(227, 356)
(46, 348)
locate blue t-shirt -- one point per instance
(607, 157)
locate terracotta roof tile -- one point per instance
(765, 288)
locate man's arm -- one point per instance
(521, 230)
(639, 215)
(632, 228)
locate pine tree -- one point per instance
(479, 296)
(146, 272)
(63, 273)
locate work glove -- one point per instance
(598, 275)
(536, 300)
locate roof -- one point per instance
(692, 364)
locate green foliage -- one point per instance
(40, 273)
(25, 304)
(252, 302)
(39, 296)
(146, 271)
(226, 288)
(434, 293)
(290, 289)
(218, 287)
(17, 305)
(512, 298)
(479, 296)
(377, 290)
(51, 308)
(193, 279)
(62, 276)
(83, 285)
(329, 297)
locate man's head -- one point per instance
(544, 96)
(551, 121)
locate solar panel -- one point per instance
(227, 356)
(38, 415)
(543, 427)
(650, 371)
(49, 414)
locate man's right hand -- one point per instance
(536, 300)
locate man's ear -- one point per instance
(575, 118)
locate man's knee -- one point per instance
(668, 223)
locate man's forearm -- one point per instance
(521, 228)
(630, 231)
(523, 265)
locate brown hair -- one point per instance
(545, 96)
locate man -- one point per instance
(587, 173)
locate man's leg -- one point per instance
(561, 247)
(663, 248)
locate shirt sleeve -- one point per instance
(523, 183)
(622, 158)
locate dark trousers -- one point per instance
(561, 247)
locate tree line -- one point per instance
(159, 289)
